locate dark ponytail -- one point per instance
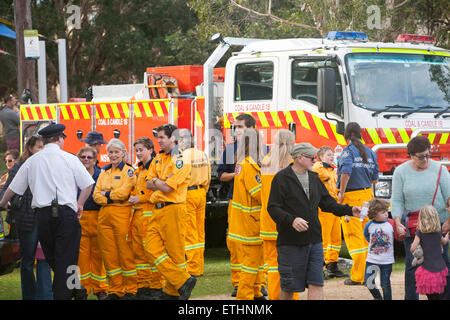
(353, 133)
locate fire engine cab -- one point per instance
(394, 90)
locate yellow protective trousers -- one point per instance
(147, 275)
(353, 229)
(273, 277)
(116, 249)
(164, 245)
(331, 236)
(194, 226)
(235, 252)
(251, 277)
(90, 262)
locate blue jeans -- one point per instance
(39, 288)
(385, 271)
(410, 277)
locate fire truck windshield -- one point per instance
(378, 80)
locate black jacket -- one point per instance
(25, 218)
(288, 200)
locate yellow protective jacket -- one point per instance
(200, 168)
(117, 183)
(327, 174)
(246, 203)
(173, 169)
(140, 188)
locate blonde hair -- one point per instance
(279, 157)
(429, 220)
(250, 145)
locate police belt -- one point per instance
(50, 207)
(357, 189)
(161, 205)
(194, 187)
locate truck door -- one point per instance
(251, 86)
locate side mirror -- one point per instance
(326, 90)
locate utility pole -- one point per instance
(26, 69)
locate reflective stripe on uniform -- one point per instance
(147, 213)
(245, 208)
(143, 267)
(161, 259)
(194, 246)
(255, 189)
(129, 273)
(98, 278)
(244, 239)
(85, 276)
(113, 272)
(249, 269)
(357, 251)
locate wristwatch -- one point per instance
(154, 180)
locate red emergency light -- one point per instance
(415, 38)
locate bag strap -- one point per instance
(437, 184)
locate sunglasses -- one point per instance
(9, 160)
(425, 156)
(310, 158)
(86, 157)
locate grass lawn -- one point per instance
(215, 281)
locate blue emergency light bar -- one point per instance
(347, 35)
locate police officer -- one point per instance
(357, 171)
(54, 176)
(168, 177)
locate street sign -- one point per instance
(31, 41)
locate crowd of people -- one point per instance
(137, 232)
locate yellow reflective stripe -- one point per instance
(24, 114)
(85, 112)
(44, 113)
(143, 266)
(267, 234)
(53, 111)
(147, 213)
(244, 208)
(113, 272)
(319, 125)
(302, 118)
(161, 259)
(389, 135)
(249, 269)
(64, 112)
(374, 135)
(357, 251)
(137, 111)
(339, 137)
(158, 109)
(85, 276)
(403, 135)
(148, 111)
(263, 119)
(98, 278)
(431, 137)
(181, 265)
(272, 269)
(126, 110)
(129, 273)
(75, 113)
(105, 111)
(255, 189)
(276, 119)
(115, 110)
(444, 138)
(226, 122)
(396, 50)
(235, 267)
(244, 238)
(34, 113)
(288, 116)
(194, 246)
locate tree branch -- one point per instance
(271, 16)
(400, 4)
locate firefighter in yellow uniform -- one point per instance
(244, 226)
(357, 171)
(331, 224)
(195, 203)
(168, 177)
(149, 280)
(112, 191)
(278, 158)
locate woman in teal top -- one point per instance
(413, 186)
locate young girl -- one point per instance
(431, 275)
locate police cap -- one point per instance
(53, 130)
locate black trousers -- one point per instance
(60, 241)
